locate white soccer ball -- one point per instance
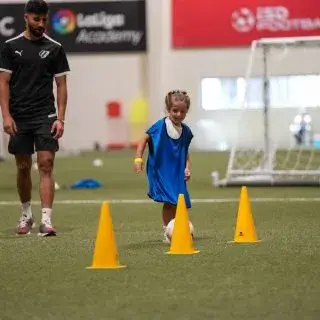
(97, 163)
(170, 226)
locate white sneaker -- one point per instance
(165, 237)
(46, 228)
(25, 225)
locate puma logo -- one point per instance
(19, 52)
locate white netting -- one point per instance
(278, 138)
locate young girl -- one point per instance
(168, 165)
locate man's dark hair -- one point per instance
(36, 7)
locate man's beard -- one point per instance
(36, 32)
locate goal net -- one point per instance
(279, 124)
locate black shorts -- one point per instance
(33, 137)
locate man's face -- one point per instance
(36, 23)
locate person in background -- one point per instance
(29, 63)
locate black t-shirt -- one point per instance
(33, 66)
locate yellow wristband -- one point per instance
(138, 160)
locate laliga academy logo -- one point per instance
(64, 21)
(243, 20)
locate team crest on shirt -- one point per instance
(43, 54)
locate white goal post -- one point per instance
(268, 163)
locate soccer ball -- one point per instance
(97, 163)
(170, 226)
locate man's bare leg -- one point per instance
(24, 186)
(24, 183)
(45, 161)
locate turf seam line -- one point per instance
(145, 201)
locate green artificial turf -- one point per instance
(278, 278)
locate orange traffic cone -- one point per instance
(245, 231)
(105, 252)
(181, 241)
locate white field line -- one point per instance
(145, 201)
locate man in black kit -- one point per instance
(28, 64)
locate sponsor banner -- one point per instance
(86, 26)
(11, 20)
(208, 23)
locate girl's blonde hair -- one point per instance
(177, 95)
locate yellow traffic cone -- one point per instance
(245, 231)
(181, 241)
(105, 252)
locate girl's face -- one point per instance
(177, 111)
